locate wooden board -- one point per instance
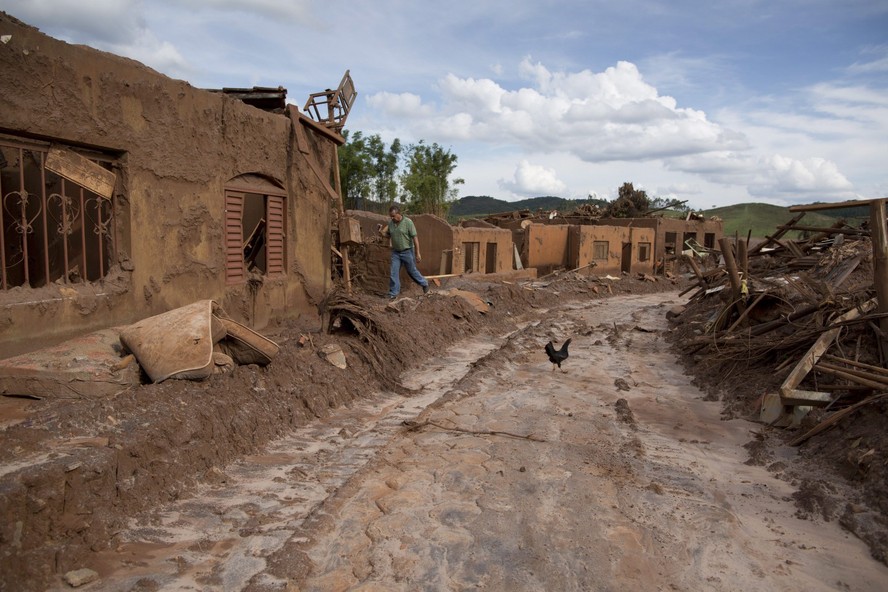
(819, 348)
(81, 170)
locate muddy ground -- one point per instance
(327, 488)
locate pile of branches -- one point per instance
(765, 307)
(380, 342)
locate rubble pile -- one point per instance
(755, 316)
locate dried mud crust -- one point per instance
(75, 471)
(841, 474)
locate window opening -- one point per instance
(51, 229)
(669, 243)
(254, 234)
(709, 240)
(600, 250)
(644, 251)
(473, 255)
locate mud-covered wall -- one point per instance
(665, 227)
(370, 261)
(637, 236)
(582, 249)
(435, 237)
(546, 247)
(494, 246)
(177, 147)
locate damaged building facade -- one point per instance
(126, 193)
(671, 235)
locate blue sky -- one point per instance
(716, 103)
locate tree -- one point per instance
(368, 170)
(676, 205)
(426, 182)
(385, 168)
(355, 169)
(630, 203)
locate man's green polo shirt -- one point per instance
(402, 233)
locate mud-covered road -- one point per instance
(612, 475)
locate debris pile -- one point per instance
(788, 325)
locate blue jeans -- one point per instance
(406, 259)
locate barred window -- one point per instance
(54, 228)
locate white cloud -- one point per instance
(400, 105)
(774, 176)
(298, 11)
(600, 117)
(782, 175)
(103, 21)
(679, 189)
(876, 65)
(533, 180)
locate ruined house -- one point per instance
(474, 248)
(671, 235)
(477, 247)
(126, 193)
(611, 249)
(595, 249)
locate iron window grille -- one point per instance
(52, 230)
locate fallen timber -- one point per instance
(812, 311)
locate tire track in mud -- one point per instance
(654, 498)
(660, 501)
(221, 537)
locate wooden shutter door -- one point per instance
(234, 238)
(275, 214)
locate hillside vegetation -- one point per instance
(762, 219)
(759, 218)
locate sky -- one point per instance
(778, 101)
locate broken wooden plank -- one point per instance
(838, 205)
(857, 376)
(834, 419)
(841, 272)
(829, 231)
(691, 287)
(812, 356)
(803, 397)
(780, 232)
(733, 274)
(880, 263)
(794, 249)
(81, 170)
(695, 268)
(746, 312)
(856, 364)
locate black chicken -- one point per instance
(556, 356)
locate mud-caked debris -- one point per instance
(333, 353)
(624, 413)
(81, 577)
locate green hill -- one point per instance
(761, 218)
(474, 206)
(764, 219)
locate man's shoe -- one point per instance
(425, 289)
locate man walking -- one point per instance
(405, 243)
